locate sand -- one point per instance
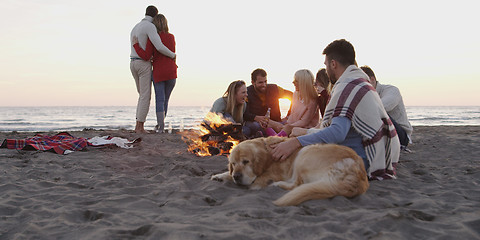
(158, 190)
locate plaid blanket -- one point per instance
(354, 98)
(58, 143)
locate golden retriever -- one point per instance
(313, 172)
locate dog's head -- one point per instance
(250, 158)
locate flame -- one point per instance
(206, 146)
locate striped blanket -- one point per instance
(58, 143)
(353, 97)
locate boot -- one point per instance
(270, 132)
(282, 134)
(160, 122)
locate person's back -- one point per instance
(393, 103)
(142, 69)
(166, 67)
(146, 30)
(140, 31)
(396, 108)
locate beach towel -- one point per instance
(108, 140)
(353, 97)
(61, 143)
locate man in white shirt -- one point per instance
(393, 103)
(142, 70)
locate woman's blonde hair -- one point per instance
(160, 21)
(234, 109)
(305, 83)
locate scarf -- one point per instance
(353, 97)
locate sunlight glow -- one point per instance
(284, 106)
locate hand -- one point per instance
(134, 40)
(297, 131)
(262, 120)
(287, 128)
(283, 150)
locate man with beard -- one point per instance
(354, 117)
(261, 97)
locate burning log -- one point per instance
(213, 150)
(222, 132)
(219, 136)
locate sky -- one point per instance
(76, 53)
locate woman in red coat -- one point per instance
(164, 69)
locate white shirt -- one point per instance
(146, 30)
(393, 103)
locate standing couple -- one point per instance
(152, 44)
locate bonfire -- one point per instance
(216, 135)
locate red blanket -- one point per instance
(57, 143)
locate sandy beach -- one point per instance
(158, 190)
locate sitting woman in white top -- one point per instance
(305, 111)
(232, 104)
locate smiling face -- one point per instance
(260, 84)
(241, 94)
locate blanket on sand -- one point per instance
(64, 143)
(58, 143)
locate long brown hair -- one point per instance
(234, 109)
(323, 80)
(160, 21)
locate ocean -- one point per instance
(41, 119)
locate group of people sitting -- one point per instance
(342, 104)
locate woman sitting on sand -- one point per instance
(323, 87)
(232, 104)
(304, 111)
(164, 69)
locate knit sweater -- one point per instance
(164, 68)
(146, 30)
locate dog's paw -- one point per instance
(276, 184)
(220, 177)
(216, 177)
(283, 184)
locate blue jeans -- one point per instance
(402, 134)
(251, 128)
(163, 90)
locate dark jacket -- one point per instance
(255, 106)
